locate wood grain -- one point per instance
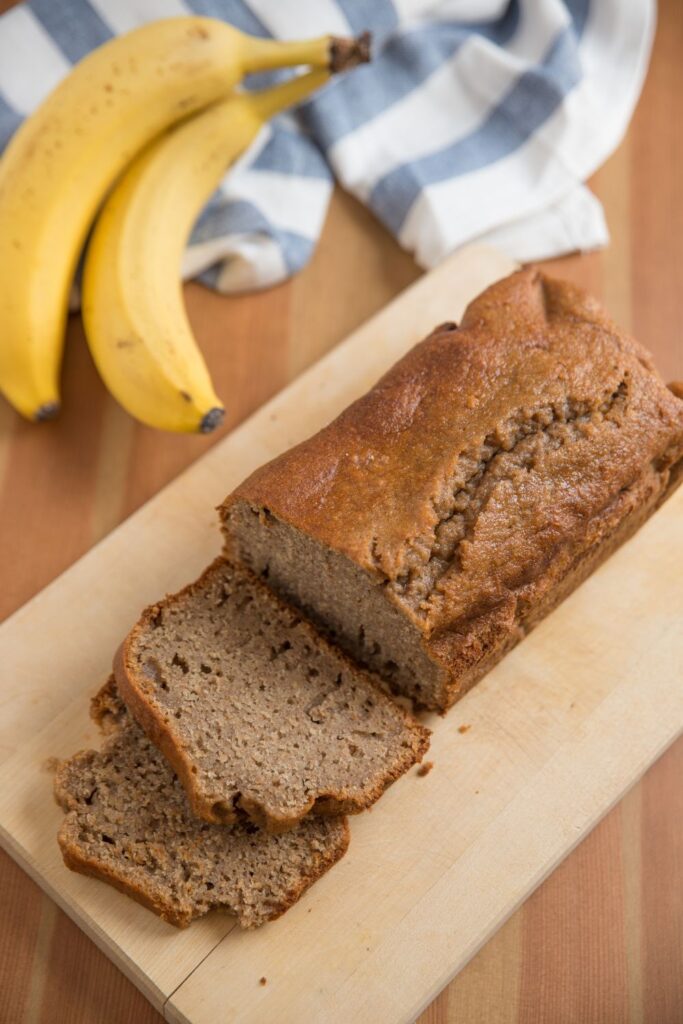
(58, 498)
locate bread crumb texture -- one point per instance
(128, 823)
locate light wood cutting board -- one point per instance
(555, 736)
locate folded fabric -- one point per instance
(477, 120)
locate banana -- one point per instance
(133, 308)
(64, 158)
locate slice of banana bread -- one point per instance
(440, 516)
(128, 823)
(254, 711)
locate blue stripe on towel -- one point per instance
(407, 60)
(9, 122)
(527, 105)
(242, 217)
(75, 27)
(289, 152)
(234, 11)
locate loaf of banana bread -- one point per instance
(435, 521)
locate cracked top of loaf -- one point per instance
(484, 452)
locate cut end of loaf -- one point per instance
(344, 601)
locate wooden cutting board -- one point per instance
(554, 737)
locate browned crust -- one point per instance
(495, 639)
(160, 731)
(326, 485)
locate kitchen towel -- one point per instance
(477, 120)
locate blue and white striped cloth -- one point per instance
(477, 120)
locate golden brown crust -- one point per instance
(370, 486)
(498, 632)
(328, 803)
(417, 417)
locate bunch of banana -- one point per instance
(133, 307)
(58, 169)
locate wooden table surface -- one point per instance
(601, 942)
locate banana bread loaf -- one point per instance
(257, 713)
(432, 524)
(128, 823)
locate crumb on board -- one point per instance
(464, 728)
(263, 981)
(425, 768)
(51, 764)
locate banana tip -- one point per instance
(212, 419)
(46, 411)
(347, 53)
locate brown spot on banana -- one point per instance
(198, 31)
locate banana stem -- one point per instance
(330, 52)
(271, 101)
